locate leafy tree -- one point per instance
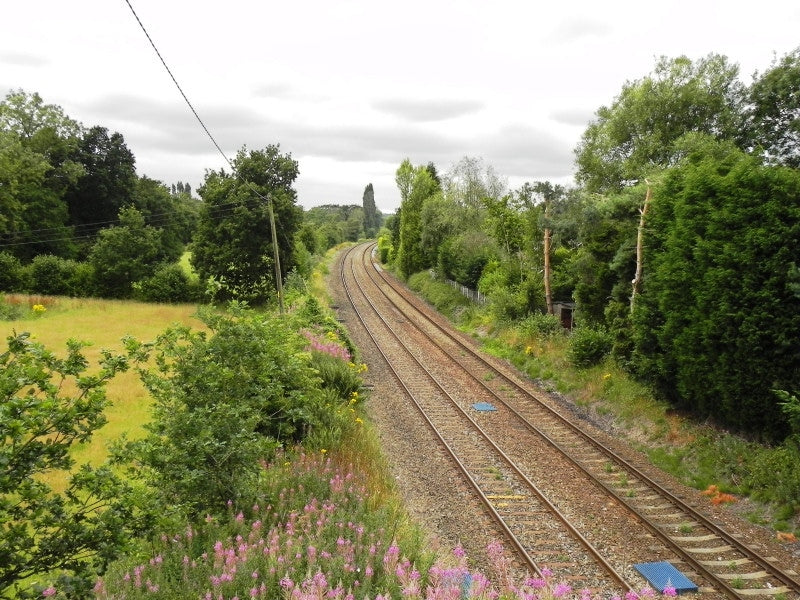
(26, 115)
(404, 178)
(441, 218)
(126, 253)
(33, 216)
(233, 243)
(372, 217)
(773, 114)
(717, 323)
(108, 182)
(636, 135)
(174, 214)
(605, 261)
(54, 276)
(45, 533)
(469, 182)
(410, 257)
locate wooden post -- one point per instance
(278, 281)
(637, 279)
(548, 294)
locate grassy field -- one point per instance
(103, 324)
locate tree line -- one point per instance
(76, 219)
(678, 247)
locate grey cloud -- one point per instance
(23, 59)
(577, 27)
(427, 110)
(525, 152)
(573, 116)
(157, 128)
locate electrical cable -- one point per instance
(177, 85)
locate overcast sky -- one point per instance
(351, 88)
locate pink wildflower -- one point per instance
(51, 591)
(562, 589)
(670, 591)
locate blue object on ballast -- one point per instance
(483, 406)
(662, 574)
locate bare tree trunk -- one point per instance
(548, 294)
(637, 279)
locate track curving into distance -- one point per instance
(444, 375)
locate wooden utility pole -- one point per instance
(548, 294)
(637, 279)
(278, 282)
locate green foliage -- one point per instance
(541, 325)
(223, 402)
(9, 311)
(12, 274)
(340, 376)
(773, 476)
(588, 346)
(331, 224)
(463, 258)
(174, 215)
(55, 276)
(384, 247)
(605, 261)
(410, 255)
(31, 198)
(233, 242)
(444, 297)
(372, 216)
(125, 254)
(716, 327)
(108, 181)
(42, 532)
(773, 127)
(169, 283)
(636, 135)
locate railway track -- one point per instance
(446, 378)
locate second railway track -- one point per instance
(524, 457)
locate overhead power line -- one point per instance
(252, 187)
(177, 85)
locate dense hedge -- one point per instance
(717, 324)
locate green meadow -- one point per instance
(102, 324)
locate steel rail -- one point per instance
(596, 555)
(724, 536)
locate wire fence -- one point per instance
(473, 295)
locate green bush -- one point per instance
(50, 275)
(541, 325)
(773, 476)
(385, 248)
(223, 402)
(79, 279)
(341, 376)
(168, 284)
(12, 273)
(589, 346)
